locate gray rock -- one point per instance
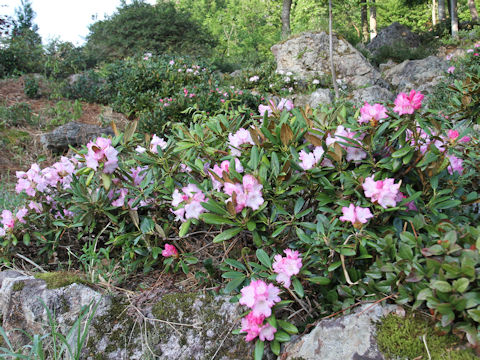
(318, 97)
(372, 94)
(72, 134)
(386, 66)
(393, 35)
(350, 337)
(306, 55)
(421, 75)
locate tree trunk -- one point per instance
(330, 36)
(442, 14)
(364, 15)
(473, 10)
(454, 17)
(287, 5)
(434, 12)
(373, 20)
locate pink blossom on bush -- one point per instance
(224, 167)
(8, 220)
(287, 266)
(169, 250)
(410, 205)
(372, 113)
(37, 207)
(30, 181)
(465, 139)
(265, 108)
(356, 214)
(120, 201)
(260, 297)
(453, 134)
(192, 197)
(456, 164)
(407, 104)
(242, 136)
(308, 160)
(354, 153)
(251, 325)
(21, 213)
(249, 193)
(157, 141)
(451, 69)
(102, 151)
(383, 192)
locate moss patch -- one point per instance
(18, 286)
(402, 338)
(60, 279)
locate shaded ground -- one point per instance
(20, 133)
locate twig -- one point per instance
(426, 347)
(223, 340)
(30, 262)
(376, 302)
(345, 272)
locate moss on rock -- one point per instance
(60, 279)
(402, 338)
(18, 286)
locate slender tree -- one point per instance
(373, 20)
(473, 10)
(287, 5)
(364, 20)
(330, 36)
(434, 12)
(454, 17)
(442, 13)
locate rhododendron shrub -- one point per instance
(308, 210)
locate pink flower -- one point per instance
(308, 160)
(169, 250)
(21, 214)
(410, 205)
(356, 215)
(157, 141)
(251, 325)
(171, 62)
(285, 104)
(192, 197)
(265, 108)
(241, 137)
(465, 139)
(121, 199)
(224, 167)
(407, 104)
(35, 206)
(451, 69)
(254, 78)
(8, 220)
(456, 164)
(372, 113)
(383, 192)
(287, 266)
(102, 151)
(260, 297)
(452, 134)
(249, 193)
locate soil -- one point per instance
(19, 142)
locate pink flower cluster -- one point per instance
(154, 144)
(309, 160)
(242, 136)
(260, 297)
(248, 193)
(224, 167)
(354, 152)
(407, 104)
(191, 197)
(372, 114)
(383, 192)
(8, 220)
(287, 266)
(102, 151)
(283, 104)
(356, 215)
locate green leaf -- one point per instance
(26, 239)
(447, 204)
(282, 336)
(442, 286)
(259, 348)
(297, 286)
(227, 234)
(402, 152)
(263, 257)
(288, 327)
(184, 228)
(213, 219)
(233, 275)
(147, 225)
(235, 264)
(320, 280)
(232, 285)
(214, 207)
(424, 294)
(275, 347)
(107, 181)
(298, 205)
(461, 285)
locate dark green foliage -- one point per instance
(31, 87)
(139, 27)
(399, 52)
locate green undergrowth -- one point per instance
(402, 338)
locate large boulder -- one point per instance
(72, 134)
(307, 55)
(372, 94)
(350, 337)
(394, 35)
(154, 324)
(421, 75)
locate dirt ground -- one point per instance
(20, 144)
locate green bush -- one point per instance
(31, 87)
